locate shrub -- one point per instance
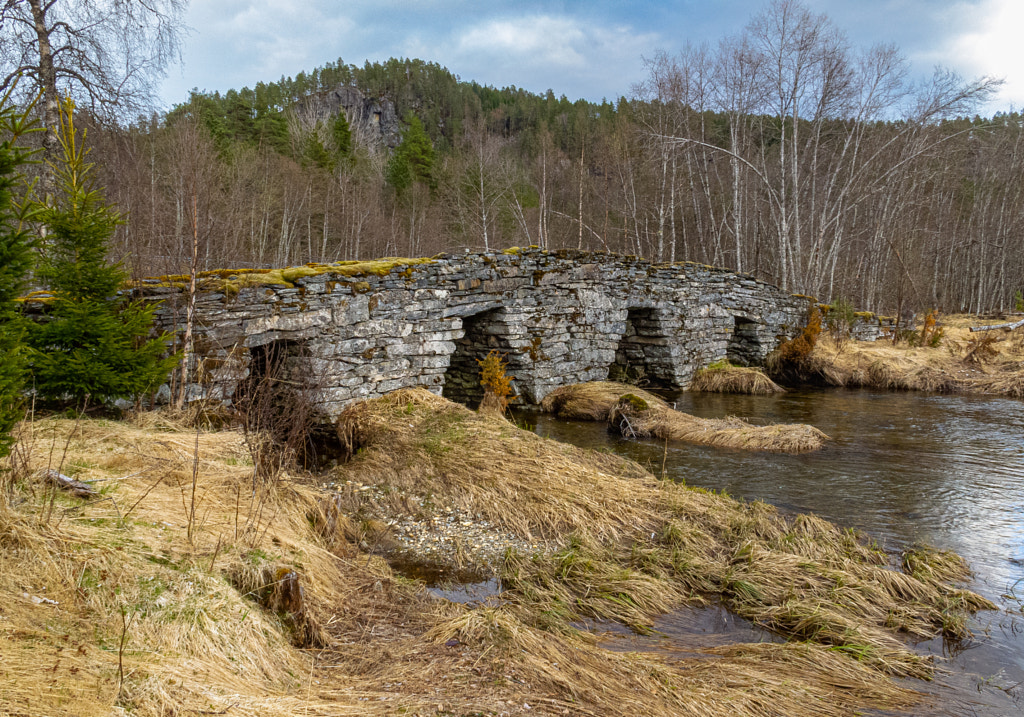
(981, 349)
(840, 319)
(791, 360)
(931, 332)
(798, 349)
(278, 405)
(496, 383)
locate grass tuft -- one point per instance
(726, 378)
(618, 405)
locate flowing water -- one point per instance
(903, 468)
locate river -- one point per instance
(903, 468)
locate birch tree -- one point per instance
(815, 101)
(106, 55)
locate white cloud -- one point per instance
(234, 43)
(993, 48)
(541, 51)
(976, 38)
(539, 40)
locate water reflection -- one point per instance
(904, 468)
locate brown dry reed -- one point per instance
(154, 618)
(790, 356)
(963, 363)
(260, 601)
(640, 414)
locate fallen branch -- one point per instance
(211, 712)
(1010, 326)
(76, 487)
(130, 475)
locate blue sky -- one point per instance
(581, 49)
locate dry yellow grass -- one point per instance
(627, 547)
(950, 367)
(640, 414)
(127, 565)
(195, 608)
(592, 401)
(440, 447)
(205, 603)
(734, 379)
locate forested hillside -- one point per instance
(783, 152)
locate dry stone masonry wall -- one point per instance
(359, 331)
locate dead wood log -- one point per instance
(1008, 326)
(75, 487)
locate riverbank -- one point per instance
(960, 361)
(179, 588)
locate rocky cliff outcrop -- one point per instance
(372, 118)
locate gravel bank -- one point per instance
(421, 530)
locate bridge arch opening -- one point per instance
(644, 354)
(279, 403)
(482, 333)
(744, 347)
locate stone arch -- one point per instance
(282, 397)
(745, 347)
(482, 333)
(644, 353)
(279, 362)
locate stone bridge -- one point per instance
(359, 330)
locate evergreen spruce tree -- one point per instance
(95, 346)
(341, 133)
(413, 160)
(16, 260)
(315, 153)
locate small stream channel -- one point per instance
(904, 468)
